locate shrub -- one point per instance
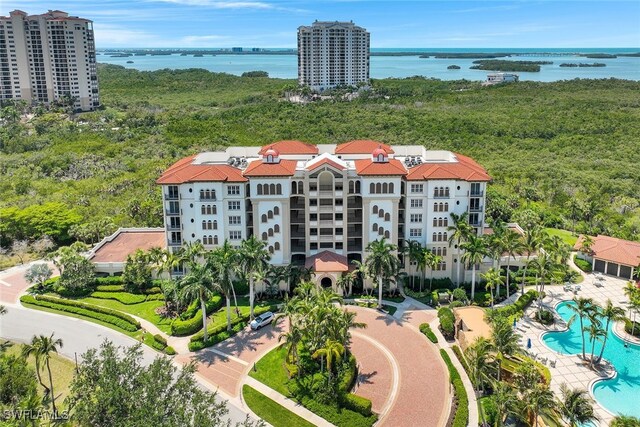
(190, 324)
(151, 341)
(461, 416)
(460, 357)
(212, 305)
(582, 265)
(343, 417)
(544, 316)
(110, 281)
(459, 295)
(92, 307)
(214, 329)
(434, 299)
(456, 304)
(155, 297)
(160, 339)
(110, 288)
(357, 404)
(196, 345)
(71, 292)
(82, 311)
(629, 327)
(122, 297)
(447, 322)
(152, 291)
(349, 375)
(426, 330)
(169, 350)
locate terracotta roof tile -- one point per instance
(127, 242)
(290, 147)
(362, 146)
(369, 167)
(614, 250)
(185, 171)
(327, 261)
(465, 169)
(283, 168)
(325, 161)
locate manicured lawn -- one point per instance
(145, 310)
(270, 411)
(270, 371)
(220, 317)
(62, 371)
(390, 309)
(565, 235)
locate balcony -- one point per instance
(442, 196)
(177, 242)
(476, 193)
(173, 227)
(208, 198)
(171, 196)
(313, 208)
(475, 208)
(171, 212)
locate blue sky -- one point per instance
(273, 23)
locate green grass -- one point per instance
(145, 310)
(390, 309)
(270, 411)
(567, 236)
(270, 371)
(62, 371)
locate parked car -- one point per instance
(262, 320)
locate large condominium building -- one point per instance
(46, 58)
(320, 205)
(332, 54)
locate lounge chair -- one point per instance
(568, 288)
(552, 363)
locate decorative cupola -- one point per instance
(271, 156)
(379, 155)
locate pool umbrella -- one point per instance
(528, 343)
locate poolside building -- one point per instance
(613, 256)
(109, 256)
(321, 205)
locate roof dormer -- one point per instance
(379, 155)
(271, 156)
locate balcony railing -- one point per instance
(172, 212)
(171, 196)
(208, 198)
(476, 193)
(177, 242)
(173, 227)
(475, 208)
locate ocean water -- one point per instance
(286, 66)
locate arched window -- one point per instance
(276, 228)
(385, 188)
(386, 234)
(446, 207)
(270, 232)
(202, 194)
(446, 222)
(439, 251)
(378, 188)
(387, 217)
(357, 187)
(375, 209)
(259, 189)
(272, 189)
(375, 226)
(215, 239)
(215, 225)
(381, 213)
(435, 207)
(440, 222)
(294, 187)
(270, 214)
(276, 246)
(435, 192)
(446, 192)
(380, 231)
(279, 189)
(264, 236)
(372, 188)
(444, 237)
(352, 187)
(300, 187)
(434, 237)
(444, 251)
(264, 218)
(214, 210)
(206, 209)
(276, 210)
(204, 225)
(435, 221)
(271, 249)
(381, 157)
(391, 187)
(439, 237)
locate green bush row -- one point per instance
(218, 337)
(460, 357)
(358, 404)
(122, 297)
(194, 308)
(447, 322)
(215, 329)
(110, 288)
(349, 376)
(162, 340)
(340, 417)
(169, 350)
(583, 265)
(519, 306)
(426, 330)
(190, 325)
(152, 291)
(109, 281)
(91, 307)
(155, 297)
(461, 417)
(86, 312)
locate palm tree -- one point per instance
(537, 400)
(576, 407)
(478, 357)
(197, 285)
(33, 349)
(459, 232)
(586, 245)
(596, 333)
(512, 246)
(505, 341)
(414, 251)
(253, 257)
(381, 262)
(474, 252)
(493, 278)
(532, 242)
(44, 347)
(331, 351)
(224, 259)
(611, 313)
(292, 339)
(433, 262)
(544, 266)
(345, 282)
(582, 307)
(625, 421)
(421, 263)
(505, 400)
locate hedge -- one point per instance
(110, 280)
(582, 265)
(212, 305)
(152, 291)
(349, 376)
(519, 306)
(91, 307)
(169, 350)
(447, 322)
(461, 417)
(192, 324)
(214, 329)
(357, 404)
(84, 310)
(426, 330)
(340, 417)
(155, 297)
(218, 337)
(162, 340)
(122, 297)
(460, 357)
(110, 288)
(629, 327)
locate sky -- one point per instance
(273, 23)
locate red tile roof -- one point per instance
(465, 169)
(326, 161)
(369, 167)
(327, 262)
(283, 168)
(127, 242)
(362, 146)
(185, 171)
(614, 250)
(290, 147)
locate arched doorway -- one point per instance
(326, 282)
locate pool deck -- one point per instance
(571, 369)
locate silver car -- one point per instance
(262, 320)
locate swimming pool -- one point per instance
(618, 395)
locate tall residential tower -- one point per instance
(48, 57)
(332, 54)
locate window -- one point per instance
(276, 246)
(270, 214)
(233, 190)
(234, 205)
(416, 203)
(264, 218)
(416, 217)
(375, 209)
(415, 232)
(374, 227)
(265, 237)
(417, 188)
(235, 220)
(235, 235)
(276, 210)
(276, 228)
(387, 216)
(446, 207)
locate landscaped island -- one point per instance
(581, 65)
(502, 65)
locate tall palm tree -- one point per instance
(505, 400)
(292, 339)
(576, 407)
(45, 346)
(610, 313)
(331, 351)
(625, 421)
(224, 259)
(33, 349)
(381, 263)
(459, 231)
(421, 263)
(345, 282)
(493, 279)
(253, 257)
(596, 333)
(474, 252)
(543, 265)
(512, 246)
(586, 245)
(413, 249)
(532, 243)
(480, 364)
(505, 341)
(537, 400)
(433, 262)
(582, 308)
(198, 285)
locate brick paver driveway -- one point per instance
(13, 283)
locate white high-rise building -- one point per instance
(320, 205)
(332, 54)
(47, 58)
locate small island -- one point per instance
(581, 65)
(129, 62)
(198, 55)
(504, 65)
(453, 67)
(255, 74)
(599, 55)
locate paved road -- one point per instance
(20, 324)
